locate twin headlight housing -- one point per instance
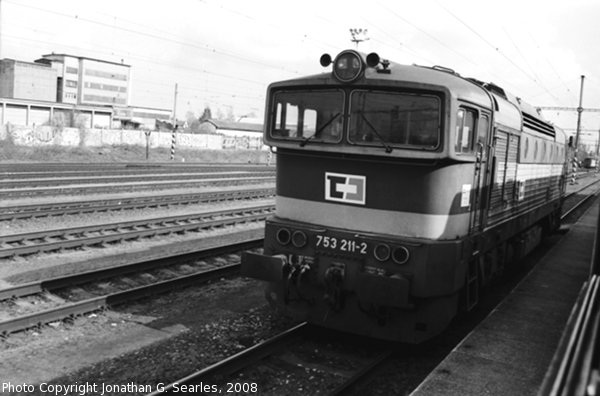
(350, 65)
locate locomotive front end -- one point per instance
(370, 210)
(352, 282)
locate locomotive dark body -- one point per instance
(401, 191)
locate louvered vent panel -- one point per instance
(535, 124)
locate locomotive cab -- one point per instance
(387, 177)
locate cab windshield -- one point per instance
(395, 119)
(308, 115)
(389, 119)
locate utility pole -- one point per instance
(174, 132)
(1, 29)
(579, 111)
(175, 106)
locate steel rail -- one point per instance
(351, 385)
(132, 186)
(123, 203)
(126, 170)
(580, 202)
(574, 193)
(239, 360)
(101, 302)
(22, 244)
(61, 180)
(46, 166)
(161, 257)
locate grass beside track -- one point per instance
(10, 153)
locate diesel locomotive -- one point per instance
(401, 192)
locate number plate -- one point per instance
(345, 245)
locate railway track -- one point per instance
(12, 212)
(233, 369)
(317, 354)
(76, 189)
(36, 171)
(82, 293)
(579, 199)
(76, 237)
(61, 180)
(343, 385)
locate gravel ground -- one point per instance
(155, 340)
(145, 193)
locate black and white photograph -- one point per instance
(228, 197)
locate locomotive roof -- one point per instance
(411, 75)
(509, 110)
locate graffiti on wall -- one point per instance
(243, 142)
(52, 135)
(34, 136)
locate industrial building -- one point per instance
(27, 80)
(63, 89)
(136, 117)
(88, 81)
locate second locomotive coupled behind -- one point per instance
(401, 191)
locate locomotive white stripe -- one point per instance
(538, 171)
(417, 225)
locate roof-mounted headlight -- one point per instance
(348, 66)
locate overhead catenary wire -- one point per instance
(208, 74)
(496, 49)
(566, 86)
(232, 90)
(261, 85)
(203, 47)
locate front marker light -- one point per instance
(299, 239)
(283, 236)
(382, 252)
(400, 255)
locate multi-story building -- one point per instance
(27, 80)
(88, 81)
(82, 92)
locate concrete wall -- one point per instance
(47, 135)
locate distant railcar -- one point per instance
(401, 192)
(590, 163)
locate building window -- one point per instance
(105, 87)
(71, 83)
(104, 99)
(72, 70)
(103, 74)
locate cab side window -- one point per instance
(482, 130)
(465, 131)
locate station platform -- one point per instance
(511, 350)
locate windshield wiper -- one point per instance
(388, 148)
(306, 139)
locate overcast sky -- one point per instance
(224, 53)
